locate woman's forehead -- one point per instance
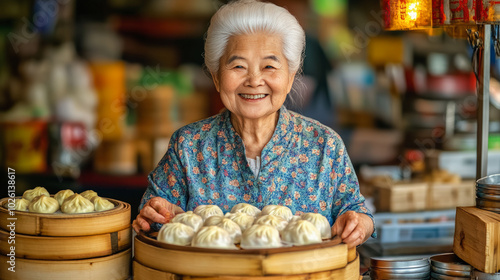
(268, 46)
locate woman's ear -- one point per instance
(215, 78)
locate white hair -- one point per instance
(251, 16)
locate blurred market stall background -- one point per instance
(92, 90)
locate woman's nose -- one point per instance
(254, 79)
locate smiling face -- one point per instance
(253, 78)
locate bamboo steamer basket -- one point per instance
(67, 248)
(203, 262)
(349, 272)
(113, 267)
(95, 223)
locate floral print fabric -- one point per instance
(304, 166)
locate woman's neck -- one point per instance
(255, 133)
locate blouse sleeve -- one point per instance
(168, 179)
(347, 196)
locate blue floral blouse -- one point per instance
(304, 166)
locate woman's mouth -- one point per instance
(253, 96)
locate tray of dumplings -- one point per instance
(40, 213)
(245, 241)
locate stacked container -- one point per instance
(386, 268)
(449, 266)
(488, 193)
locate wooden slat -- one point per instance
(69, 224)
(66, 248)
(477, 238)
(349, 272)
(306, 261)
(114, 267)
(197, 264)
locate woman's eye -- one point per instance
(238, 67)
(269, 67)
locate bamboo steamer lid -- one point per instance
(191, 261)
(349, 272)
(114, 267)
(67, 248)
(93, 223)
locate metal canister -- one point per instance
(449, 266)
(397, 268)
(478, 275)
(488, 193)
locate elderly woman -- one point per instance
(257, 151)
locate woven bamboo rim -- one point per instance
(114, 267)
(191, 261)
(93, 223)
(67, 248)
(349, 272)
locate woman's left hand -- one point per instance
(353, 228)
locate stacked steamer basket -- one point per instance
(488, 193)
(66, 246)
(388, 268)
(326, 260)
(477, 229)
(449, 266)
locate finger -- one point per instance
(149, 213)
(142, 224)
(162, 207)
(350, 225)
(354, 243)
(338, 226)
(135, 226)
(355, 236)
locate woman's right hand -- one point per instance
(156, 210)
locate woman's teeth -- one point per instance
(253, 96)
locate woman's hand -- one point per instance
(156, 210)
(353, 228)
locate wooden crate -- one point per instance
(451, 195)
(477, 238)
(400, 197)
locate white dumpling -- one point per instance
(30, 194)
(205, 211)
(294, 218)
(43, 204)
(271, 220)
(242, 219)
(301, 232)
(213, 221)
(260, 236)
(77, 204)
(277, 210)
(88, 194)
(246, 208)
(176, 233)
(232, 228)
(21, 204)
(213, 237)
(101, 204)
(60, 196)
(189, 218)
(320, 222)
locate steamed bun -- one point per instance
(246, 208)
(277, 210)
(320, 222)
(205, 211)
(213, 237)
(176, 233)
(301, 232)
(43, 204)
(101, 204)
(260, 236)
(60, 196)
(30, 194)
(189, 218)
(77, 204)
(21, 204)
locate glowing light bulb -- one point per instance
(413, 11)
